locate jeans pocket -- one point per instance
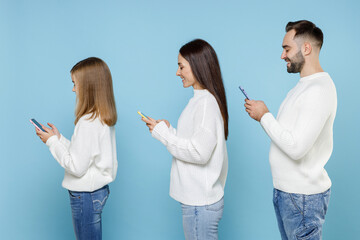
(216, 207)
(297, 201)
(99, 199)
(307, 232)
(188, 210)
(76, 195)
(75, 203)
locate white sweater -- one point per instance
(200, 162)
(302, 136)
(89, 159)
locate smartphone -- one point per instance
(37, 125)
(243, 91)
(142, 115)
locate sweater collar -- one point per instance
(202, 92)
(312, 76)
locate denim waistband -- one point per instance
(104, 187)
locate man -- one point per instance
(301, 136)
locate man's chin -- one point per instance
(291, 70)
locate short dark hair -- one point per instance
(306, 29)
(206, 69)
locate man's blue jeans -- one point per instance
(86, 210)
(300, 216)
(201, 222)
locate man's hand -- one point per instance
(255, 109)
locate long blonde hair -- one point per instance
(95, 93)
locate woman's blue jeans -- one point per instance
(300, 216)
(201, 222)
(86, 210)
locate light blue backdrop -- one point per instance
(40, 42)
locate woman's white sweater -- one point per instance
(200, 161)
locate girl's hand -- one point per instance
(55, 130)
(151, 123)
(44, 136)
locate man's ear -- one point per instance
(307, 48)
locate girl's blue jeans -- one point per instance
(86, 210)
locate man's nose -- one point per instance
(283, 55)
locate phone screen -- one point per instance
(243, 91)
(36, 124)
(142, 115)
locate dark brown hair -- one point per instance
(95, 94)
(206, 69)
(307, 29)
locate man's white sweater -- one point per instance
(302, 136)
(89, 159)
(200, 162)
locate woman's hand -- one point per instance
(166, 121)
(151, 123)
(44, 136)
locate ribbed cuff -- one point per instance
(63, 140)
(51, 140)
(160, 130)
(266, 119)
(172, 129)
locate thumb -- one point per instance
(53, 127)
(45, 128)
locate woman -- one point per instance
(89, 159)
(198, 145)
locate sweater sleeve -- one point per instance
(199, 147)
(172, 129)
(75, 156)
(314, 109)
(64, 141)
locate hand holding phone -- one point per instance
(37, 125)
(243, 91)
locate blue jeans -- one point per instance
(300, 216)
(201, 222)
(86, 210)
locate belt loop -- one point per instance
(275, 193)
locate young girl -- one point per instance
(89, 159)
(198, 145)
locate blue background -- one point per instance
(40, 42)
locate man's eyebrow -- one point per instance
(285, 46)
